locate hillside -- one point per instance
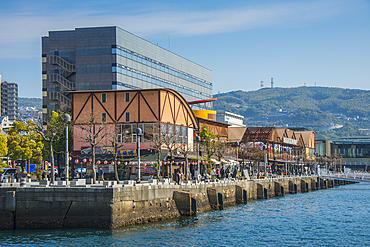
(30, 102)
(332, 112)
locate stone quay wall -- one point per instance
(115, 206)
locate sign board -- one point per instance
(32, 167)
(290, 141)
(126, 152)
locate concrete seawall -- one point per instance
(111, 207)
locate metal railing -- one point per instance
(348, 174)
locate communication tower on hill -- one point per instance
(272, 82)
(261, 84)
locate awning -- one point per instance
(215, 161)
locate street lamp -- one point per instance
(198, 140)
(237, 154)
(66, 119)
(139, 132)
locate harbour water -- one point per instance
(334, 217)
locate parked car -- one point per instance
(6, 173)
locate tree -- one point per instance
(184, 150)
(24, 142)
(157, 145)
(93, 136)
(116, 145)
(220, 146)
(169, 139)
(52, 133)
(207, 139)
(3, 145)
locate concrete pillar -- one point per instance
(10, 202)
(325, 184)
(241, 195)
(245, 196)
(216, 200)
(304, 186)
(265, 193)
(330, 183)
(279, 190)
(336, 182)
(292, 188)
(220, 200)
(212, 197)
(184, 202)
(261, 194)
(313, 184)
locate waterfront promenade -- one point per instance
(356, 176)
(111, 205)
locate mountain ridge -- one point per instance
(311, 107)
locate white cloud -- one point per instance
(22, 31)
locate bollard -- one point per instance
(193, 206)
(265, 193)
(245, 196)
(23, 182)
(220, 200)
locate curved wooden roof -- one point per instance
(145, 106)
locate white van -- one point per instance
(6, 173)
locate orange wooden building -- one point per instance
(151, 110)
(282, 145)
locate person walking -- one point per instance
(222, 172)
(101, 174)
(213, 173)
(235, 172)
(227, 172)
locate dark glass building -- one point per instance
(109, 58)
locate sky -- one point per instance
(297, 43)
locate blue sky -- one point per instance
(243, 42)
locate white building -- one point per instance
(5, 123)
(233, 119)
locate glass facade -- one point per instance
(352, 150)
(159, 66)
(127, 132)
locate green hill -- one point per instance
(30, 102)
(319, 108)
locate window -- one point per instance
(127, 117)
(178, 135)
(184, 134)
(127, 97)
(104, 98)
(104, 117)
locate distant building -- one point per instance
(234, 120)
(9, 100)
(283, 147)
(354, 150)
(110, 58)
(5, 124)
